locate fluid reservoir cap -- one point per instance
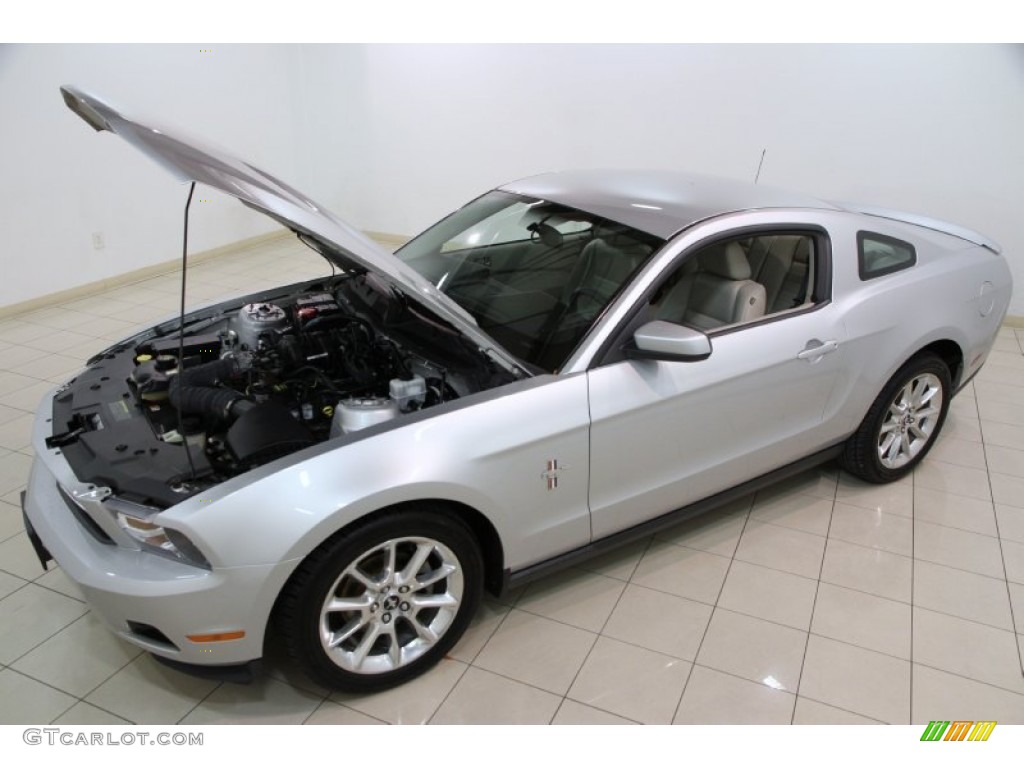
(405, 392)
(359, 413)
(143, 358)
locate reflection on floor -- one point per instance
(821, 600)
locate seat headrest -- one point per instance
(803, 251)
(726, 260)
(689, 266)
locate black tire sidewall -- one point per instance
(322, 568)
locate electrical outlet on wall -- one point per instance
(97, 241)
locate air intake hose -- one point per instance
(195, 390)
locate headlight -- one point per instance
(155, 538)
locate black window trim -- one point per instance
(618, 338)
(862, 272)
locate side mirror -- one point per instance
(661, 340)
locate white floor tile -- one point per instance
(1006, 461)
(330, 713)
(659, 622)
(871, 528)
(582, 599)
(483, 698)
(14, 469)
(28, 702)
(869, 570)
(537, 651)
(784, 549)
(10, 522)
(631, 682)
(573, 713)
(857, 680)
(807, 513)
(18, 557)
(147, 692)
(414, 702)
(965, 453)
(766, 593)
(78, 658)
(891, 498)
(953, 645)
(489, 615)
(957, 549)
(753, 649)
(940, 695)
(810, 712)
(864, 620)
(952, 478)
(265, 701)
(32, 615)
(962, 512)
(715, 698)
(682, 571)
(963, 594)
(87, 714)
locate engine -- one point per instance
(159, 418)
(273, 379)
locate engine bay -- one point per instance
(162, 416)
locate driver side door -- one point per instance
(665, 434)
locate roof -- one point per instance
(659, 202)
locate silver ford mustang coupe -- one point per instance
(569, 362)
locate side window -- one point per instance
(742, 280)
(879, 255)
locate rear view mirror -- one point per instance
(661, 340)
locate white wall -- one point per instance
(931, 129)
(60, 181)
(393, 137)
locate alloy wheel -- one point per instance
(391, 605)
(910, 421)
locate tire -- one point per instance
(902, 424)
(355, 623)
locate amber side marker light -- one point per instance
(217, 637)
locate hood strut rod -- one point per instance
(181, 330)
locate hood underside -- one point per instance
(189, 160)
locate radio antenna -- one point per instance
(758, 174)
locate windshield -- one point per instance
(534, 274)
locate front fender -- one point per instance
(489, 454)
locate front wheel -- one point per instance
(903, 422)
(383, 602)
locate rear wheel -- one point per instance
(382, 603)
(903, 422)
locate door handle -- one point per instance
(818, 351)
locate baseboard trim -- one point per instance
(387, 238)
(164, 267)
(1014, 321)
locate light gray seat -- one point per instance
(794, 290)
(717, 292)
(780, 264)
(599, 272)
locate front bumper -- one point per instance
(134, 591)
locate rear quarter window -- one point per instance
(879, 255)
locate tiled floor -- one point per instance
(820, 600)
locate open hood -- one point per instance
(189, 160)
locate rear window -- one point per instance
(882, 255)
